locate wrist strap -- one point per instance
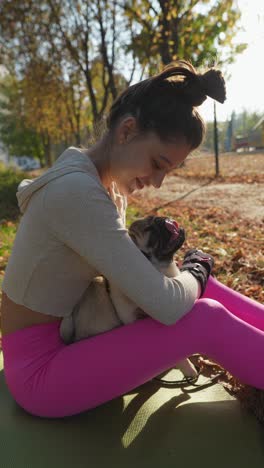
(199, 272)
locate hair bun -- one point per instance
(213, 84)
(192, 86)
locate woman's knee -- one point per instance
(210, 305)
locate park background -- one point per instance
(62, 63)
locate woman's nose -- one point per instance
(158, 178)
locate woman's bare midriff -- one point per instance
(15, 316)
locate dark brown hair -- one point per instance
(166, 103)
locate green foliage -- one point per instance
(131, 215)
(201, 32)
(9, 180)
(18, 138)
(8, 232)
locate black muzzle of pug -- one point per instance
(165, 237)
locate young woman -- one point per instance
(73, 228)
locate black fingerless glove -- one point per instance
(200, 265)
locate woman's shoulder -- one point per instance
(76, 183)
(75, 166)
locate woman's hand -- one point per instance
(199, 264)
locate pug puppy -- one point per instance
(104, 307)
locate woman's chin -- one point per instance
(129, 188)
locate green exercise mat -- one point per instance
(150, 427)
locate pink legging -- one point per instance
(50, 379)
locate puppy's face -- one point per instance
(157, 237)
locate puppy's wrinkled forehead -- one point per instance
(158, 236)
(148, 230)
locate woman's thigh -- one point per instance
(51, 379)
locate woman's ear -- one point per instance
(127, 130)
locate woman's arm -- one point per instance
(81, 214)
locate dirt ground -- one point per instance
(240, 190)
(247, 200)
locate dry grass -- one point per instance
(234, 167)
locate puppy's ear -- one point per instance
(181, 239)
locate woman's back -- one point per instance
(43, 273)
(16, 317)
